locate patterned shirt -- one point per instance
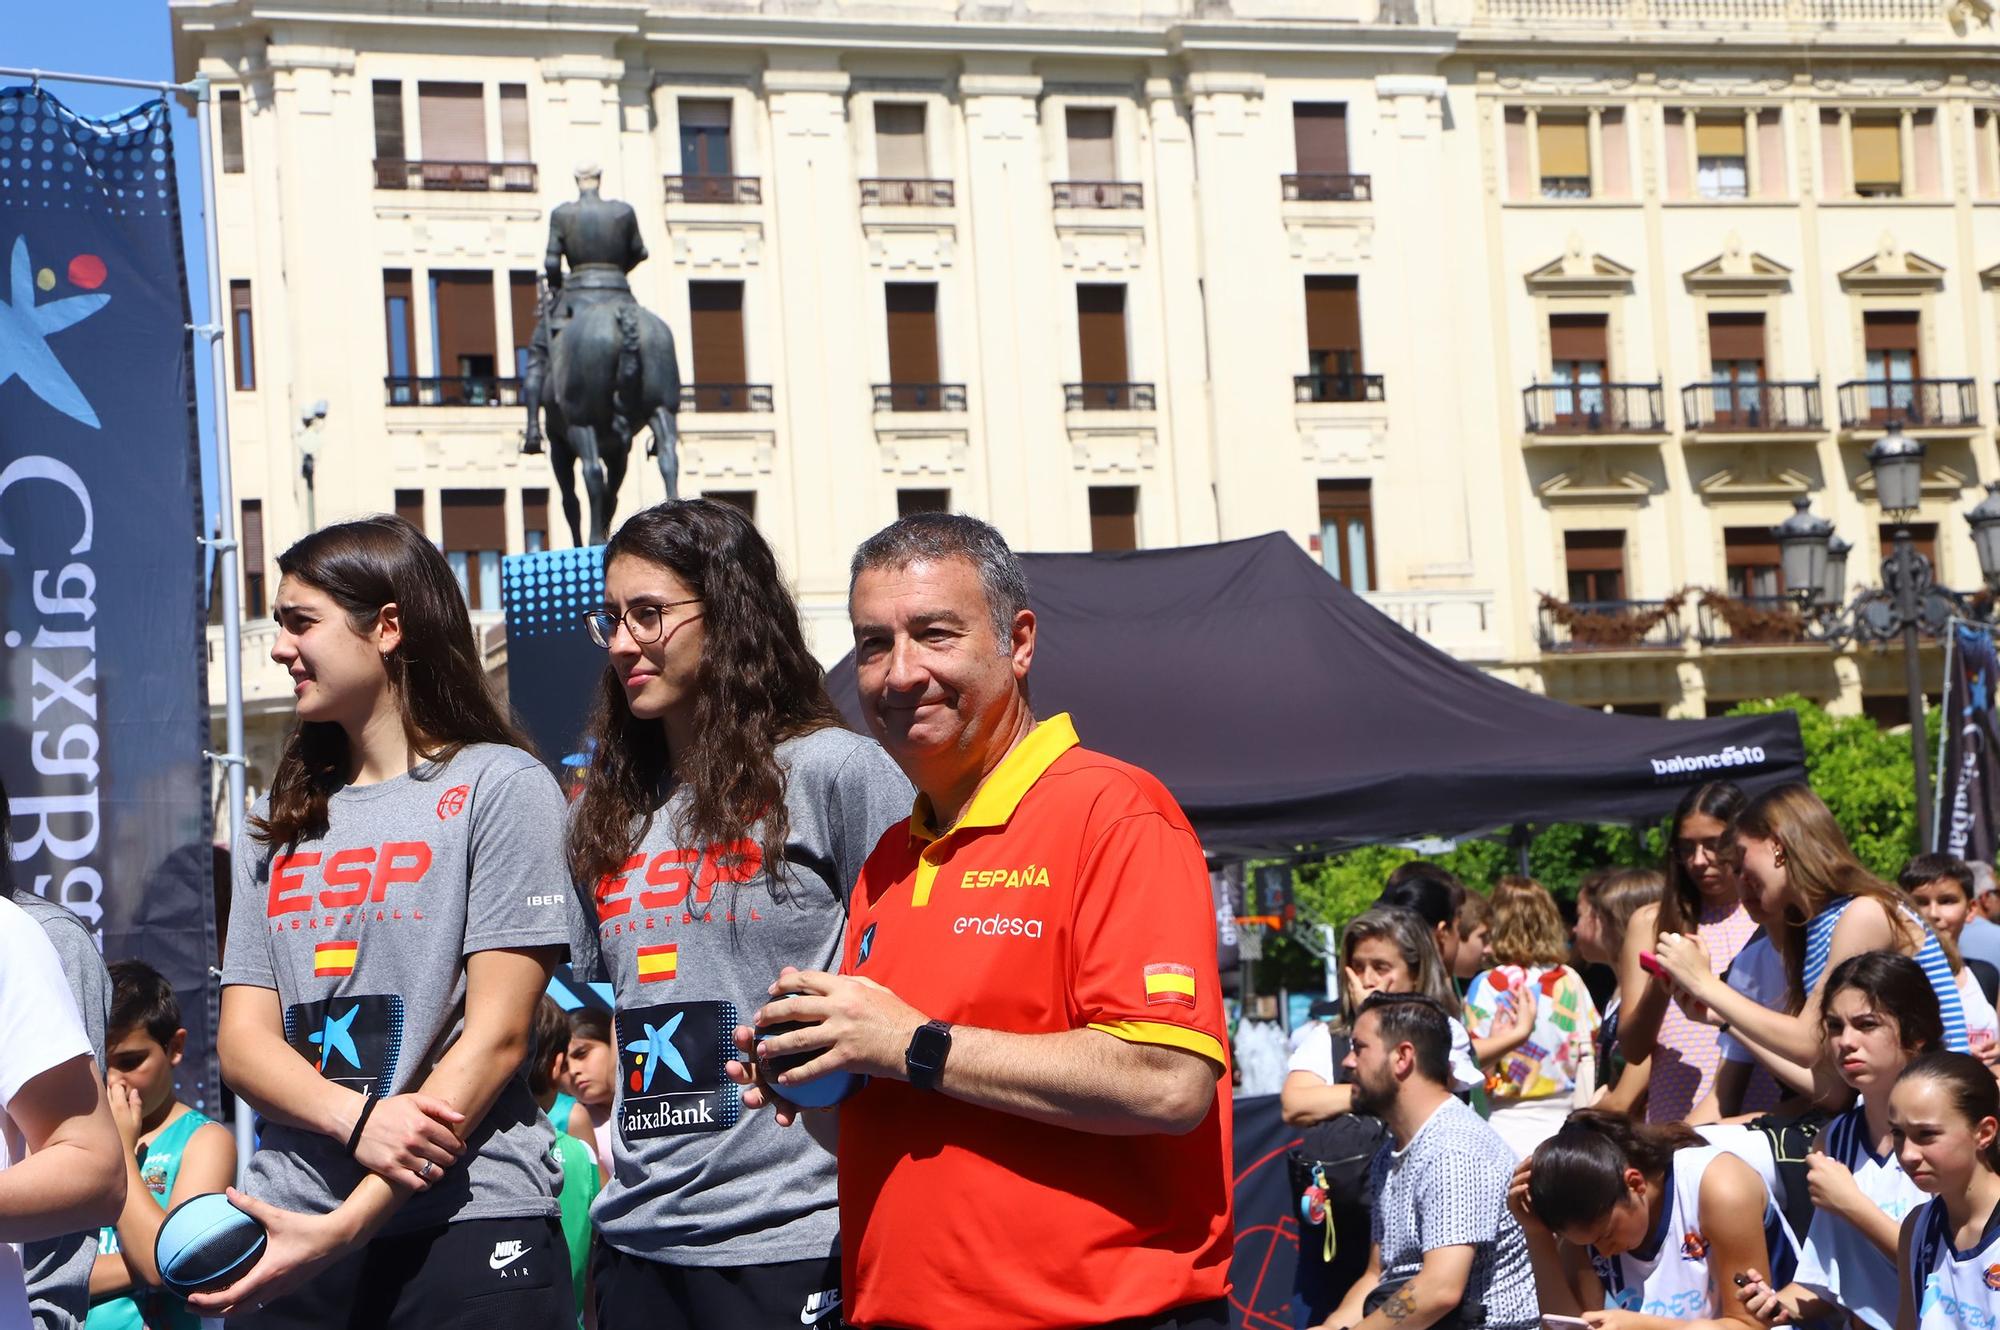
(1687, 1052)
(1448, 1188)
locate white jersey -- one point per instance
(1954, 1290)
(1837, 1262)
(1668, 1274)
(1981, 1024)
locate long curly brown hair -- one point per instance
(756, 685)
(435, 673)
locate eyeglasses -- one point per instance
(645, 622)
(1715, 847)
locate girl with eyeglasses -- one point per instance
(723, 822)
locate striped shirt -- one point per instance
(1819, 945)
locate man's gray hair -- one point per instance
(927, 537)
(1982, 877)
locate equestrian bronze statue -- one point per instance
(599, 365)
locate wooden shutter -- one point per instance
(389, 120)
(410, 507)
(1114, 517)
(1594, 551)
(899, 141)
(252, 537)
(1719, 136)
(522, 290)
(922, 501)
(1892, 330)
(717, 317)
(1565, 148)
(1578, 337)
(1878, 154)
(243, 336)
(1343, 506)
(399, 323)
(1736, 337)
(514, 123)
(229, 119)
(1333, 314)
(1092, 155)
(474, 520)
(705, 136)
(913, 340)
(452, 119)
(1752, 549)
(1100, 327)
(1319, 133)
(463, 312)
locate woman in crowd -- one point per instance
(1433, 895)
(1881, 1013)
(1945, 1112)
(1534, 1084)
(725, 820)
(1702, 902)
(397, 910)
(1605, 904)
(1824, 907)
(1650, 1220)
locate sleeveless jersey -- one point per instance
(1837, 1262)
(1668, 1274)
(1954, 1290)
(159, 1170)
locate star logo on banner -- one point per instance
(25, 328)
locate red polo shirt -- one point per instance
(1071, 893)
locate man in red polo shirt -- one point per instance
(1030, 981)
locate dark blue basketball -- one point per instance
(205, 1242)
(821, 1091)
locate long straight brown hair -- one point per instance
(434, 672)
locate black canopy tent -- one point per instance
(1284, 711)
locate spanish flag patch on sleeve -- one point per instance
(657, 963)
(332, 960)
(1170, 983)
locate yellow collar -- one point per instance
(1004, 788)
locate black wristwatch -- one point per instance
(923, 1060)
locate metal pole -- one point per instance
(1908, 606)
(225, 548)
(50, 76)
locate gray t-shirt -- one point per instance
(690, 939)
(59, 1268)
(363, 934)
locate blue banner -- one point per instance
(104, 712)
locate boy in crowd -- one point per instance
(593, 1071)
(546, 1072)
(172, 1152)
(1943, 889)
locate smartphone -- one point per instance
(1651, 965)
(1564, 1323)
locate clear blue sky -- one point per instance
(123, 39)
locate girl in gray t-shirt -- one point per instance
(724, 819)
(399, 901)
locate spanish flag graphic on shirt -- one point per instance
(656, 963)
(331, 960)
(1170, 983)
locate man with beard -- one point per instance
(1445, 1252)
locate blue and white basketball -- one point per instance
(819, 1092)
(205, 1242)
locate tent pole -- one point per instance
(1519, 838)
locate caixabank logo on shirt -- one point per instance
(353, 1041)
(670, 1060)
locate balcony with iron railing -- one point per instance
(1714, 15)
(1108, 194)
(1751, 621)
(473, 177)
(908, 193)
(1322, 186)
(715, 189)
(720, 398)
(1867, 404)
(920, 397)
(1337, 387)
(1107, 397)
(1610, 625)
(1594, 408)
(452, 390)
(1752, 408)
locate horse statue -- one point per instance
(599, 365)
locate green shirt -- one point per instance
(579, 1189)
(159, 1168)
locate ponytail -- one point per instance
(1579, 1173)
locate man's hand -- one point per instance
(298, 1248)
(857, 1025)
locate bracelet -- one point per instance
(367, 1107)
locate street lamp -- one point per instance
(1898, 463)
(1834, 589)
(1985, 523)
(1803, 545)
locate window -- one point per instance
(1893, 345)
(410, 507)
(1092, 151)
(913, 346)
(1114, 517)
(1333, 339)
(705, 137)
(1750, 562)
(399, 326)
(514, 123)
(252, 538)
(1736, 368)
(1722, 156)
(475, 533)
(1577, 366)
(462, 334)
(1595, 561)
(922, 501)
(743, 501)
(534, 520)
(716, 312)
(1100, 327)
(389, 146)
(452, 119)
(1347, 533)
(243, 341)
(1563, 143)
(1319, 135)
(1878, 156)
(229, 125)
(900, 150)
(523, 296)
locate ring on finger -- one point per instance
(425, 1171)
